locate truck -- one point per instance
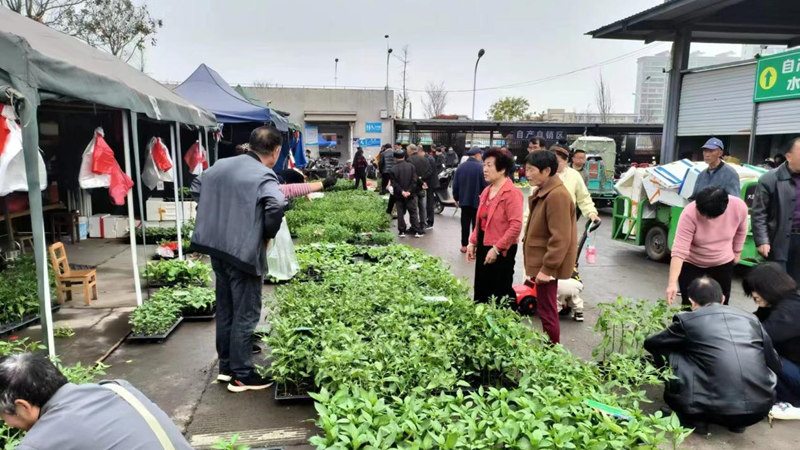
(654, 226)
(601, 155)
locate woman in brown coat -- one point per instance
(551, 235)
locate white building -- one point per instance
(750, 51)
(651, 81)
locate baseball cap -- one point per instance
(473, 151)
(714, 144)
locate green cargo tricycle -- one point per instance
(657, 232)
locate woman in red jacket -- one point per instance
(493, 243)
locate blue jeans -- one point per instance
(788, 388)
(238, 313)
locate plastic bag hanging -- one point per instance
(13, 177)
(157, 164)
(196, 158)
(100, 169)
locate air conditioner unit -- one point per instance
(384, 114)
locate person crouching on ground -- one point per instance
(778, 301)
(493, 243)
(569, 296)
(240, 208)
(551, 237)
(723, 361)
(405, 185)
(58, 415)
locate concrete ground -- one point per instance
(178, 374)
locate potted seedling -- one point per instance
(155, 320)
(178, 273)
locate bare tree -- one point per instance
(53, 13)
(437, 99)
(402, 98)
(116, 26)
(263, 84)
(647, 115)
(585, 115)
(603, 100)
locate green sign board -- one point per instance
(778, 77)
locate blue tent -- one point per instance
(207, 89)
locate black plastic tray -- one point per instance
(201, 317)
(157, 338)
(24, 323)
(282, 396)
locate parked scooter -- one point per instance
(443, 195)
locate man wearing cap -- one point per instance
(468, 183)
(718, 172)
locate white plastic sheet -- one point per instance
(152, 173)
(281, 260)
(87, 178)
(12, 160)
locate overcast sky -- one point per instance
(295, 43)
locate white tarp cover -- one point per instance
(12, 160)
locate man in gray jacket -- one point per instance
(240, 208)
(718, 172)
(58, 415)
(775, 215)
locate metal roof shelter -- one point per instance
(705, 21)
(467, 126)
(38, 64)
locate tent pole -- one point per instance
(137, 168)
(30, 146)
(178, 184)
(126, 139)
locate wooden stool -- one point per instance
(25, 239)
(67, 279)
(63, 222)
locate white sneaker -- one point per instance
(784, 411)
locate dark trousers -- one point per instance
(407, 204)
(430, 203)
(792, 265)
(722, 274)
(238, 312)
(385, 179)
(547, 310)
(422, 208)
(469, 217)
(788, 388)
(496, 279)
(362, 178)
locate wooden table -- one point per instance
(9, 218)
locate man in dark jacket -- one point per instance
(451, 158)
(776, 213)
(433, 183)
(423, 168)
(240, 209)
(723, 361)
(718, 172)
(405, 186)
(468, 183)
(385, 164)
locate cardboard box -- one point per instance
(96, 225)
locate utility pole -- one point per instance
(336, 73)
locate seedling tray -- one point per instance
(199, 316)
(167, 285)
(23, 323)
(156, 338)
(291, 392)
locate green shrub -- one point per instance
(155, 317)
(338, 217)
(19, 288)
(190, 299)
(178, 273)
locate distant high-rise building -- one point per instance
(750, 51)
(651, 81)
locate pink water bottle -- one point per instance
(591, 254)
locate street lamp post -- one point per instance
(474, 86)
(336, 74)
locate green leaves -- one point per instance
(155, 317)
(345, 216)
(19, 290)
(178, 273)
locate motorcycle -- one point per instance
(443, 195)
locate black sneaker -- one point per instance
(418, 234)
(578, 316)
(252, 382)
(565, 311)
(224, 376)
(402, 234)
(737, 430)
(429, 227)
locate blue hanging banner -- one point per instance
(369, 142)
(374, 127)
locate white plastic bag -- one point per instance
(12, 160)
(87, 178)
(152, 174)
(281, 260)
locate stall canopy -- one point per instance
(63, 67)
(276, 114)
(208, 89)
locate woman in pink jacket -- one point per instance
(493, 243)
(708, 242)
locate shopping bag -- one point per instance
(196, 158)
(281, 261)
(12, 159)
(99, 168)
(157, 164)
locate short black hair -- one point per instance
(704, 291)
(265, 140)
(385, 146)
(543, 160)
(503, 160)
(711, 202)
(790, 146)
(578, 150)
(538, 140)
(30, 377)
(770, 282)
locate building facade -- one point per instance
(336, 121)
(651, 81)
